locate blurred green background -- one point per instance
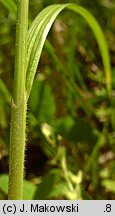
(71, 123)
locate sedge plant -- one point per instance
(28, 49)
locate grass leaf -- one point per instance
(38, 32)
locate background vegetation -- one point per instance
(71, 123)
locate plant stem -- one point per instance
(19, 103)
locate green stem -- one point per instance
(19, 103)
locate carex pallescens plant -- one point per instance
(28, 49)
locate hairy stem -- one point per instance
(19, 103)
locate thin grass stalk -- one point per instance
(18, 108)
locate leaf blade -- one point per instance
(41, 28)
